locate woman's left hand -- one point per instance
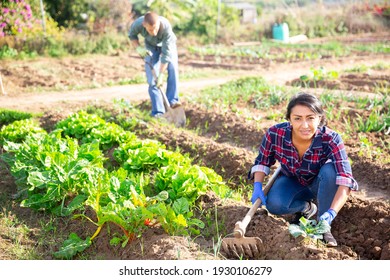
(328, 216)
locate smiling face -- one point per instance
(152, 29)
(304, 123)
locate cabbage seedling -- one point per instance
(309, 228)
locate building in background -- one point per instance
(248, 12)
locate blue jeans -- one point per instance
(288, 196)
(172, 81)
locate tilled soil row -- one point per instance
(232, 163)
(361, 228)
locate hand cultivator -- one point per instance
(239, 245)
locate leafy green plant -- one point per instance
(309, 228)
(88, 127)
(52, 171)
(318, 74)
(19, 130)
(8, 116)
(73, 245)
(375, 122)
(141, 155)
(65, 175)
(7, 52)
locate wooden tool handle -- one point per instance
(2, 91)
(240, 227)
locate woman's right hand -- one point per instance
(258, 193)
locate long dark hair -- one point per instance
(311, 102)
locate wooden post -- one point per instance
(2, 91)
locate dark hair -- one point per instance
(151, 18)
(311, 102)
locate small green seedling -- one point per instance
(309, 228)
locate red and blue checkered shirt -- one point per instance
(327, 146)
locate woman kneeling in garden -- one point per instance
(315, 174)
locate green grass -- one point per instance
(254, 91)
(303, 51)
(372, 48)
(364, 68)
(201, 73)
(69, 45)
(15, 242)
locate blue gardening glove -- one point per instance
(328, 216)
(258, 193)
(143, 52)
(160, 80)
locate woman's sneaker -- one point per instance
(329, 240)
(309, 212)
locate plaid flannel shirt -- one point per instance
(327, 146)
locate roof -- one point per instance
(242, 6)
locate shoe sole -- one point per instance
(331, 244)
(329, 240)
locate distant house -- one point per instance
(248, 11)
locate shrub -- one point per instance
(16, 16)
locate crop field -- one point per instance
(89, 178)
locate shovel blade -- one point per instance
(177, 116)
(245, 247)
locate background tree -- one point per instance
(189, 16)
(67, 13)
(94, 15)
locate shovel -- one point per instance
(239, 245)
(175, 115)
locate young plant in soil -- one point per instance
(309, 229)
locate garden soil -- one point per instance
(228, 145)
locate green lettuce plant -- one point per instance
(63, 172)
(309, 228)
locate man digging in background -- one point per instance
(161, 52)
